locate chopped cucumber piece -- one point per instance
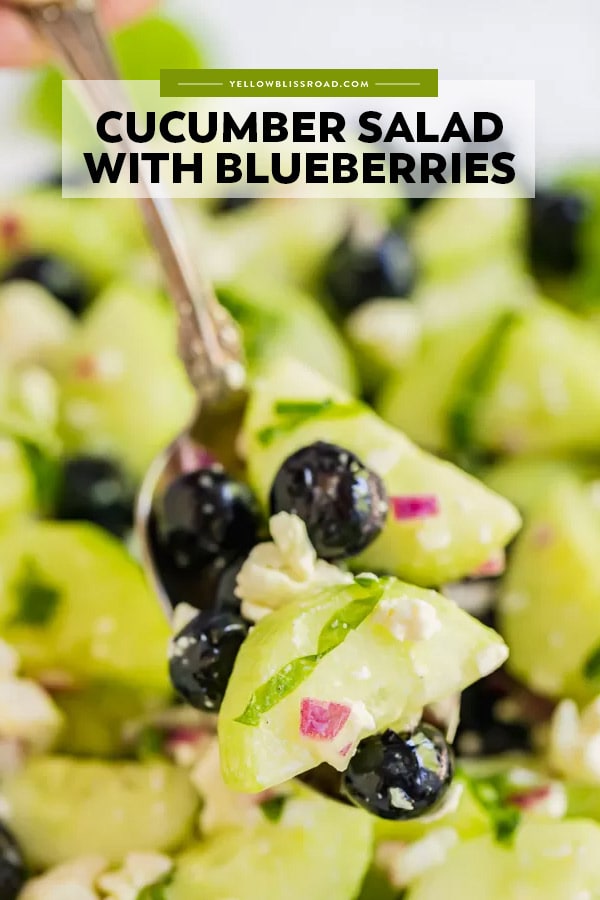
(17, 489)
(471, 523)
(98, 236)
(385, 335)
(452, 233)
(539, 866)
(124, 390)
(551, 597)
(332, 648)
(262, 308)
(34, 327)
(318, 849)
(62, 808)
(73, 601)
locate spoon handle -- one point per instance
(209, 341)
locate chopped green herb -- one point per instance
(333, 633)
(277, 687)
(45, 469)
(293, 413)
(348, 619)
(156, 891)
(273, 808)
(150, 743)
(37, 601)
(462, 413)
(492, 794)
(591, 666)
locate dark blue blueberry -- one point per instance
(359, 269)
(341, 501)
(232, 204)
(555, 226)
(203, 655)
(13, 873)
(95, 489)
(400, 776)
(57, 275)
(204, 516)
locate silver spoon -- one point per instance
(208, 339)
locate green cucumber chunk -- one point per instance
(550, 599)
(472, 521)
(73, 601)
(318, 849)
(331, 647)
(124, 390)
(62, 808)
(540, 865)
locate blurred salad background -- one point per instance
(471, 326)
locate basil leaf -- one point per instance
(293, 413)
(37, 600)
(591, 666)
(156, 891)
(347, 619)
(277, 687)
(272, 808)
(492, 795)
(333, 633)
(463, 412)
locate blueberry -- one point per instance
(13, 874)
(555, 221)
(481, 731)
(341, 501)
(400, 776)
(232, 204)
(55, 274)
(202, 657)
(204, 516)
(95, 489)
(359, 269)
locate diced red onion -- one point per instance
(530, 799)
(414, 506)
(495, 565)
(322, 720)
(86, 367)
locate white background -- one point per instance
(554, 42)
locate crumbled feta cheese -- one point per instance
(28, 713)
(490, 658)
(403, 863)
(182, 616)
(338, 751)
(138, 871)
(407, 618)
(277, 571)
(74, 880)
(574, 744)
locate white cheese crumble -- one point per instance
(74, 880)
(407, 618)
(221, 807)
(278, 571)
(574, 744)
(27, 713)
(403, 863)
(182, 616)
(138, 871)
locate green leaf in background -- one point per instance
(141, 49)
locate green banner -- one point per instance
(299, 83)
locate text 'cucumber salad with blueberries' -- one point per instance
(399, 601)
